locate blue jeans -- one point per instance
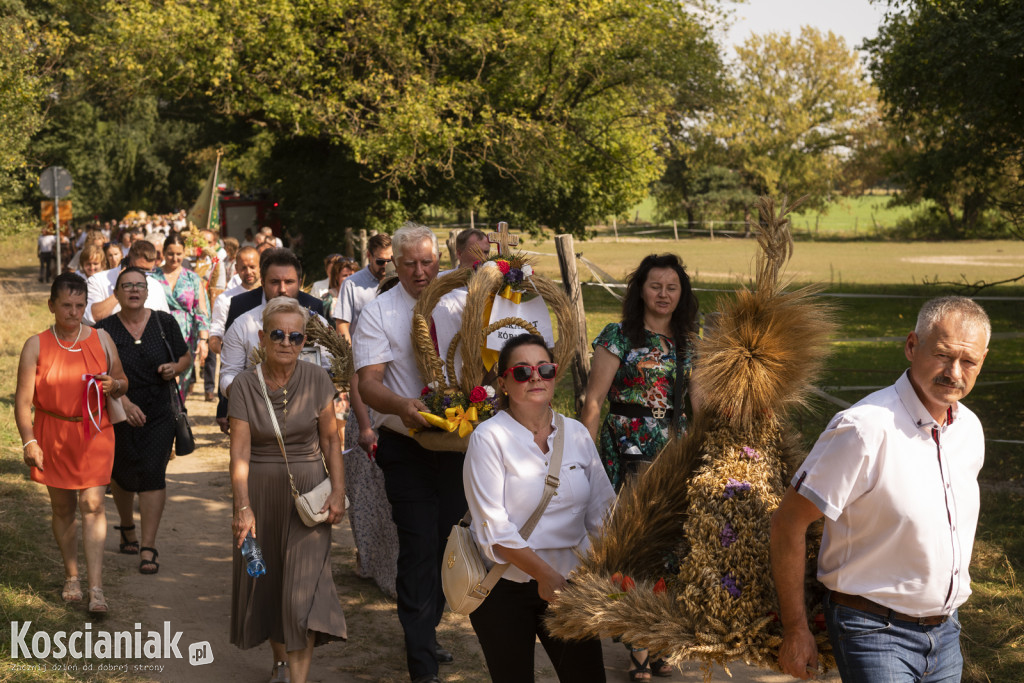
(873, 649)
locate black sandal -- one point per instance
(661, 668)
(128, 547)
(144, 564)
(641, 671)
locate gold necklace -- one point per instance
(71, 348)
(284, 390)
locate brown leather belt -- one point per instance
(865, 605)
(76, 418)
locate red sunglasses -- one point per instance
(523, 373)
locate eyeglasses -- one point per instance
(131, 286)
(294, 338)
(381, 261)
(524, 373)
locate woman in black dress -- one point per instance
(143, 443)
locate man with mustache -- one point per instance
(896, 478)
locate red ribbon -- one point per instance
(87, 414)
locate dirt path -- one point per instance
(192, 592)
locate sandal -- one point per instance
(280, 673)
(661, 668)
(148, 566)
(97, 603)
(72, 590)
(641, 671)
(128, 547)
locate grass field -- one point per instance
(862, 216)
(868, 355)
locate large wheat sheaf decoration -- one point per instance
(692, 532)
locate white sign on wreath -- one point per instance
(534, 311)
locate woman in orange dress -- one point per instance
(69, 446)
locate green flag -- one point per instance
(205, 213)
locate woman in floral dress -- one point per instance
(636, 365)
(188, 303)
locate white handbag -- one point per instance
(464, 578)
(308, 504)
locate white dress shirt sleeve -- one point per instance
(841, 465)
(99, 288)
(220, 315)
(371, 346)
(483, 477)
(233, 353)
(344, 305)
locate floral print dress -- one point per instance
(646, 377)
(183, 302)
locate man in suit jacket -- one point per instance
(250, 300)
(281, 274)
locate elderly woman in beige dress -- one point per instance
(295, 605)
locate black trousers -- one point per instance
(425, 491)
(210, 373)
(507, 625)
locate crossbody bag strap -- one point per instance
(550, 486)
(277, 429)
(173, 383)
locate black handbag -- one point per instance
(184, 442)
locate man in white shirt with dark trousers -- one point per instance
(896, 478)
(424, 487)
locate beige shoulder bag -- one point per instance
(464, 579)
(310, 503)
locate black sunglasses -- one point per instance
(524, 373)
(381, 261)
(294, 338)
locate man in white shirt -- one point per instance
(247, 270)
(101, 302)
(424, 487)
(896, 478)
(46, 245)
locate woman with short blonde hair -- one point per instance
(295, 605)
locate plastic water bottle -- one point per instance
(253, 557)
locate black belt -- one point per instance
(633, 410)
(866, 605)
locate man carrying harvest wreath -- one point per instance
(423, 486)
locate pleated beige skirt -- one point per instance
(297, 596)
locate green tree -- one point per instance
(949, 74)
(797, 107)
(550, 113)
(26, 69)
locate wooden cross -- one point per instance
(504, 239)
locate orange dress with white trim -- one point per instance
(71, 460)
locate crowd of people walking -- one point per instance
(137, 323)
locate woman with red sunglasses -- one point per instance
(506, 465)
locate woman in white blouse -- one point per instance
(505, 468)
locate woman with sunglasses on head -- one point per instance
(642, 366)
(295, 604)
(506, 465)
(143, 442)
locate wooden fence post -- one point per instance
(675, 230)
(350, 243)
(452, 235)
(363, 239)
(615, 227)
(571, 283)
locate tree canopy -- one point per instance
(949, 72)
(546, 113)
(798, 108)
